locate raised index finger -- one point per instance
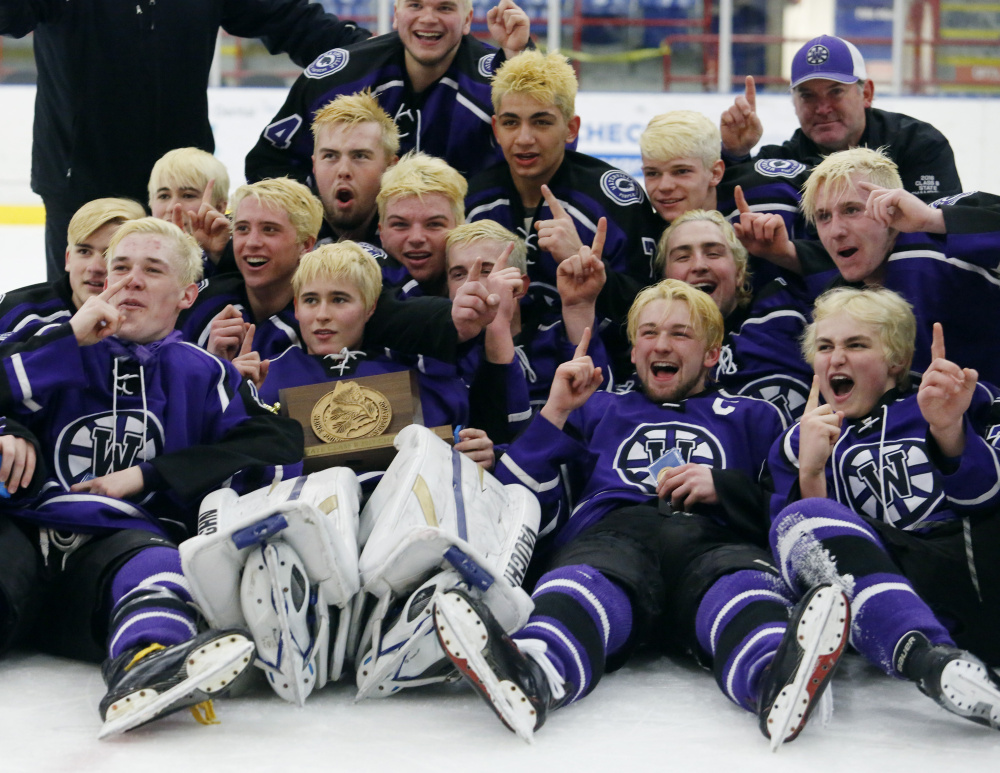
(247, 346)
(554, 206)
(501, 262)
(937, 342)
(584, 345)
(476, 271)
(813, 402)
(751, 93)
(599, 238)
(206, 197)
(113, 287)
(741, 200)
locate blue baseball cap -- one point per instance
(830, 58)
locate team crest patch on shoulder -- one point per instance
(328, 63)
(621, 188)
(946, 201)
(486, 65)
(779, 167)
(817, 54)
(376, 252)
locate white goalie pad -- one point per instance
(433, 500)
(289, 620)
(315, 515)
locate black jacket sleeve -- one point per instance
(414, 326)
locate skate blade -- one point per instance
(215, 665)
(970, 693)
(463, 637)
(822, 634)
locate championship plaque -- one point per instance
(353, 422)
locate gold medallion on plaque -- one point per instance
(350, 412)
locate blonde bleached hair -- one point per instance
(305, 211)
(466, 5)
(340, 261)
(354, 109)
(706, 319)
(681, 134)
(491, 231)
(836, 170)
(190, 168)
(96, 214)
(744, 291)
(418, 174)
(887, 311)
(546, 78)
(186, 251)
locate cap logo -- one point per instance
(817, 54)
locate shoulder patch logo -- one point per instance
(376, 252)
(817, 54)
(650, 441)
(621, 188)
(785, 393)
(101, 443)
(779, 167)
(328, 63)
(486, 65)
(948, 200)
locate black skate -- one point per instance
(954, 678)
(806, 659)
(513, 684)
(166, 679)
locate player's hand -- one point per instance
(509, 26)
(687, 485)
(474, 306)
(557, 236)
(17, 462)
(581, 277)
(899, 209)
(944, 396)
(476, 445)
(740, 127)
(97, 318)
(249, 363)
(507, 284)
(572, 385)
(819, 430)
(227, 332)
(764, 235)
(119, 485)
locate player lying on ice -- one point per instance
(627, 571)
(892, 489)
(131, 426)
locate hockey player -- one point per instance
(421, 200)
(833, 95)
(541, 345)
(628, 570)
(553, 197)
(24, 310)
(892, 491)
(354, 142)
(430, 75)
(761, 356)
(190, 188)
(134, 426)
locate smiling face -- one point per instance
(348, 164)
(670, 358)
(331, 315)
(533, 137)
(415, 231)
(680, 185)
(832, 114)
(857, 243)
(154, 295)
(697, 253)
(851, 364)
(431, 31)
(265, 245)
(86, 265)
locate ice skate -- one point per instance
(146, 683)
(806, 659)
(514, 684)
(953, 678)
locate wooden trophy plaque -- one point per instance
(353, 422)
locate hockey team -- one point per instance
(744, 414)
